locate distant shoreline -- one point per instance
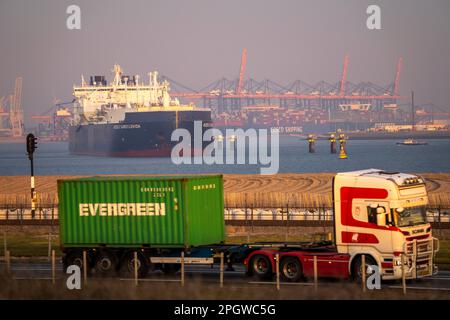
(323, 136)
(388, 135)
(12, 140)
(399, 135)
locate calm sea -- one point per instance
(53, 158)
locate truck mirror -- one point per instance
(399, 210)
(381, 210)
(381, 220)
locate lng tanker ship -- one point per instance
(126, 118)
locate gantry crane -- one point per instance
(11, 117)
(16, 111)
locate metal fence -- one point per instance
(22, 214)
(279, 214)
(48, 214)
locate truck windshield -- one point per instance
(411, 216)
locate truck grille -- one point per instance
(420, 256)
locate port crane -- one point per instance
(55, 120)
(226, 95)
(11, 119)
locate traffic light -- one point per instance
(31, 144)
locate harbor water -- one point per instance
(53, 158)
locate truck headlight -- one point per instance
(397, 263)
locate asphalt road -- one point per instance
(23, 270)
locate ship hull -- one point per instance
(142, 134)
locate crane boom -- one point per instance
(397, 75)
(242, 71)
(16, 113)
(344, 77)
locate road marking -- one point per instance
(25, 269)
(210, 272)
(153, 280)
(282, 283)
(23, 278)
(420, 288)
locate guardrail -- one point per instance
(48, 214)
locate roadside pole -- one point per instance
(182, 268)
(277, 258)
(53, 267)
(221, 269)
(315, 273)
(31, 147)
(5, 247)
(85, 267)
(8, 261)
(363, 271)
(49, 245)
(403, 274)
(135, 269)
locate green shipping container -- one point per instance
(153, 211)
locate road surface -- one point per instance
(24, 271)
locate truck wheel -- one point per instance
(76, 258)
(170, 268)
(291, 269)
(261, 267)
(105, 263)
(357, 267)
(127, 265)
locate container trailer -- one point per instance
(111, 217)
(378, 214)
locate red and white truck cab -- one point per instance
(378, 214)
(383, 215)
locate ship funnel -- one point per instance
(155, 78)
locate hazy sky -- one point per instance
(197, 42)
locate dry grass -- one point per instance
(295, 190)
(276, 199)
(15, 200)
(198, 287)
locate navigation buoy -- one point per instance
(342, 151)
(312, 143)
(332, 143)
(342, 154)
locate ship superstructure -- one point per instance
(124, 94)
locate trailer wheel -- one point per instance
(75, 257)
(357, 267)
(170, 268)
(261, 266)
(291, 269)
(105, 263)
(127, 265)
